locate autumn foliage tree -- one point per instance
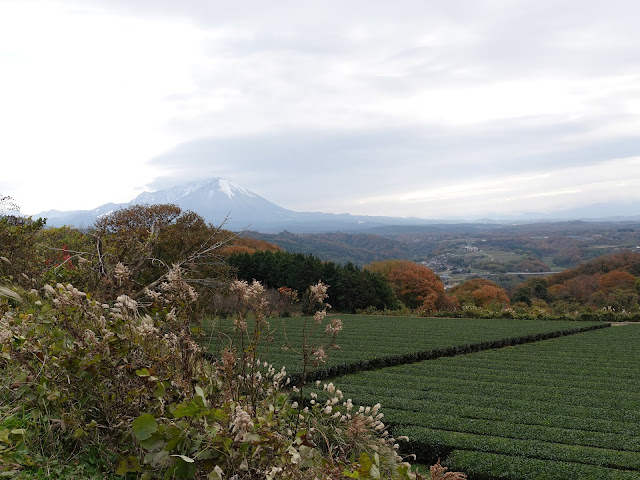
(141, 244)
(606, 282)
(616, 279)
(480, 292)
(248, 245)
(415, 285)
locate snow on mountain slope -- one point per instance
(214, 199)
(217, 199)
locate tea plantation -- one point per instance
(367, 342)
(559, 409)
(497, 399)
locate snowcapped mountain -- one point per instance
(216, 199)
(210, 188)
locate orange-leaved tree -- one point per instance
(480, 292)
(248, 245)
(415, 285)
(616, 279)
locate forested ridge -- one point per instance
(607, 282)
(509, 247)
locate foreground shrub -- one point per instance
(122, 387)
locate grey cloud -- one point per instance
(281, 52)
(288, 167)
(506, 38)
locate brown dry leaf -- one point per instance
(438, 472)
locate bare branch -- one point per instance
(204, 251)
(102, 270)
(68, 260)
(64, 250)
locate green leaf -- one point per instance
(154, 442)
(403, 471)
(185, 458)
(200, 393)
(143, 372)
(207, 454)
(365, 463)
(159, 391)
(349, 474)
(216, 415)
(215, 474)
(189, 409)
(181, 469)
(144, 426)
(130, 464)
(4, 437)
(157, 459)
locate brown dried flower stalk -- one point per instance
(438, 472)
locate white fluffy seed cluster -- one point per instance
(318, 355)
(319, 316)
(263, 374)
(127, 302)
(242, 424)
(63, 292)
(144, 327)
(318, 292)
(125, 307)
(335, 326)
(175, 285)
(346, 415)
(252, 294)
(121, 272)
(6, 328)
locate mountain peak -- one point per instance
(219, 201)
(203, 188)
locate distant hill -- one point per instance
(216, 199)
(357, 248)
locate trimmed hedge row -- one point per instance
(580, 434)
(414, 357)
(564, 408)
(430, 444)
(505, 467)
(469, 407)
(365, 337)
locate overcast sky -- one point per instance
(433, 109)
